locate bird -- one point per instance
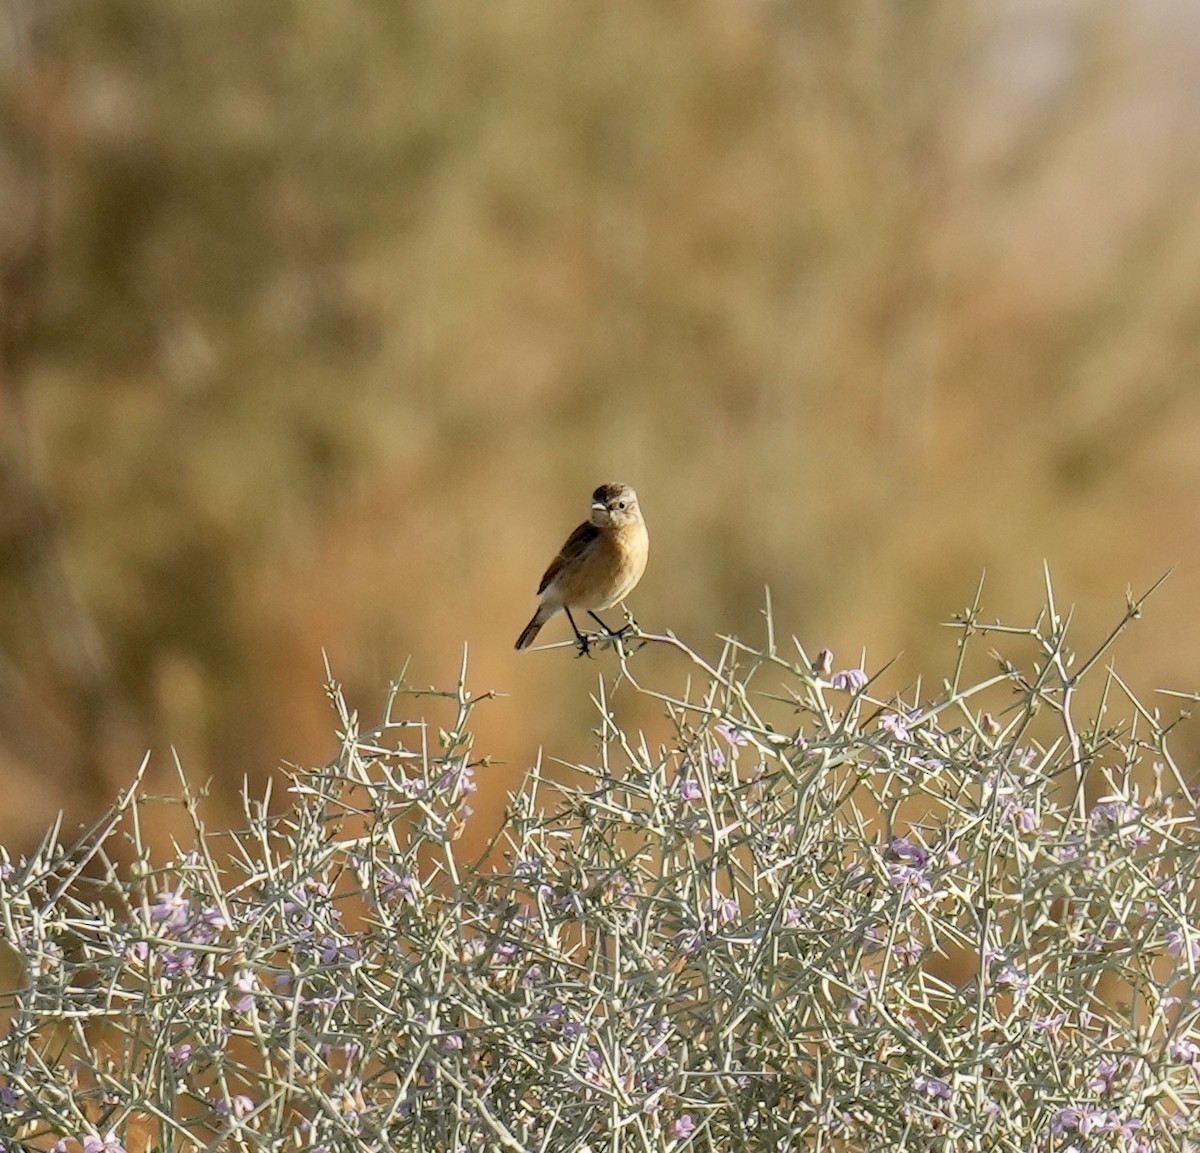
(597, 567)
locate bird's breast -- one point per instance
(631, 549)
(605, 571)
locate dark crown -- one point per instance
(607, 493)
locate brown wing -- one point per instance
(576, 543)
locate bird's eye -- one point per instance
(620, 504)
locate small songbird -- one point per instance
(598, 566)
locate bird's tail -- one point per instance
(531, 630)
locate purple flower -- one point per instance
(331, 950)
(237, 1107)
(1049, 1024)
(171, 909)
(214, 919)
(932, 1087)
(852, 1010)
(849, 680)
(683, 1126)
(244, 982)
(1102, 1079)
(1185, 1051)
(402, 887)
(905, 863)
(177, 962)
(460, 781)
(9, 1097)
(1023, 816)
(1115, 814)
(1131, 1142)
(894, 723)
(1010, 977)
(527, 868)
(109, 1144)
(296, 911)
(689, 790)
(1178, 943)
(1084, 1120)
(180, 1055)
(902, 877)
(903, 850)
(1108, 812)
(733, 735)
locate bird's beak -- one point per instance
(599, 506)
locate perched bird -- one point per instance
(598, 566)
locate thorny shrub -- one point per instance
(818, 917)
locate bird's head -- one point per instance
(615, 505)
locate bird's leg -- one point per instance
(581, 638)
(607, 631)
(630, 623)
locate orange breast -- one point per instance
(615, 562)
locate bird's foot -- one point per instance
(585, 642)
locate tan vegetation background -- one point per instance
(319, 321)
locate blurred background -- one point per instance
(319, 322)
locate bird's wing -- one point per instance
(576, 543)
